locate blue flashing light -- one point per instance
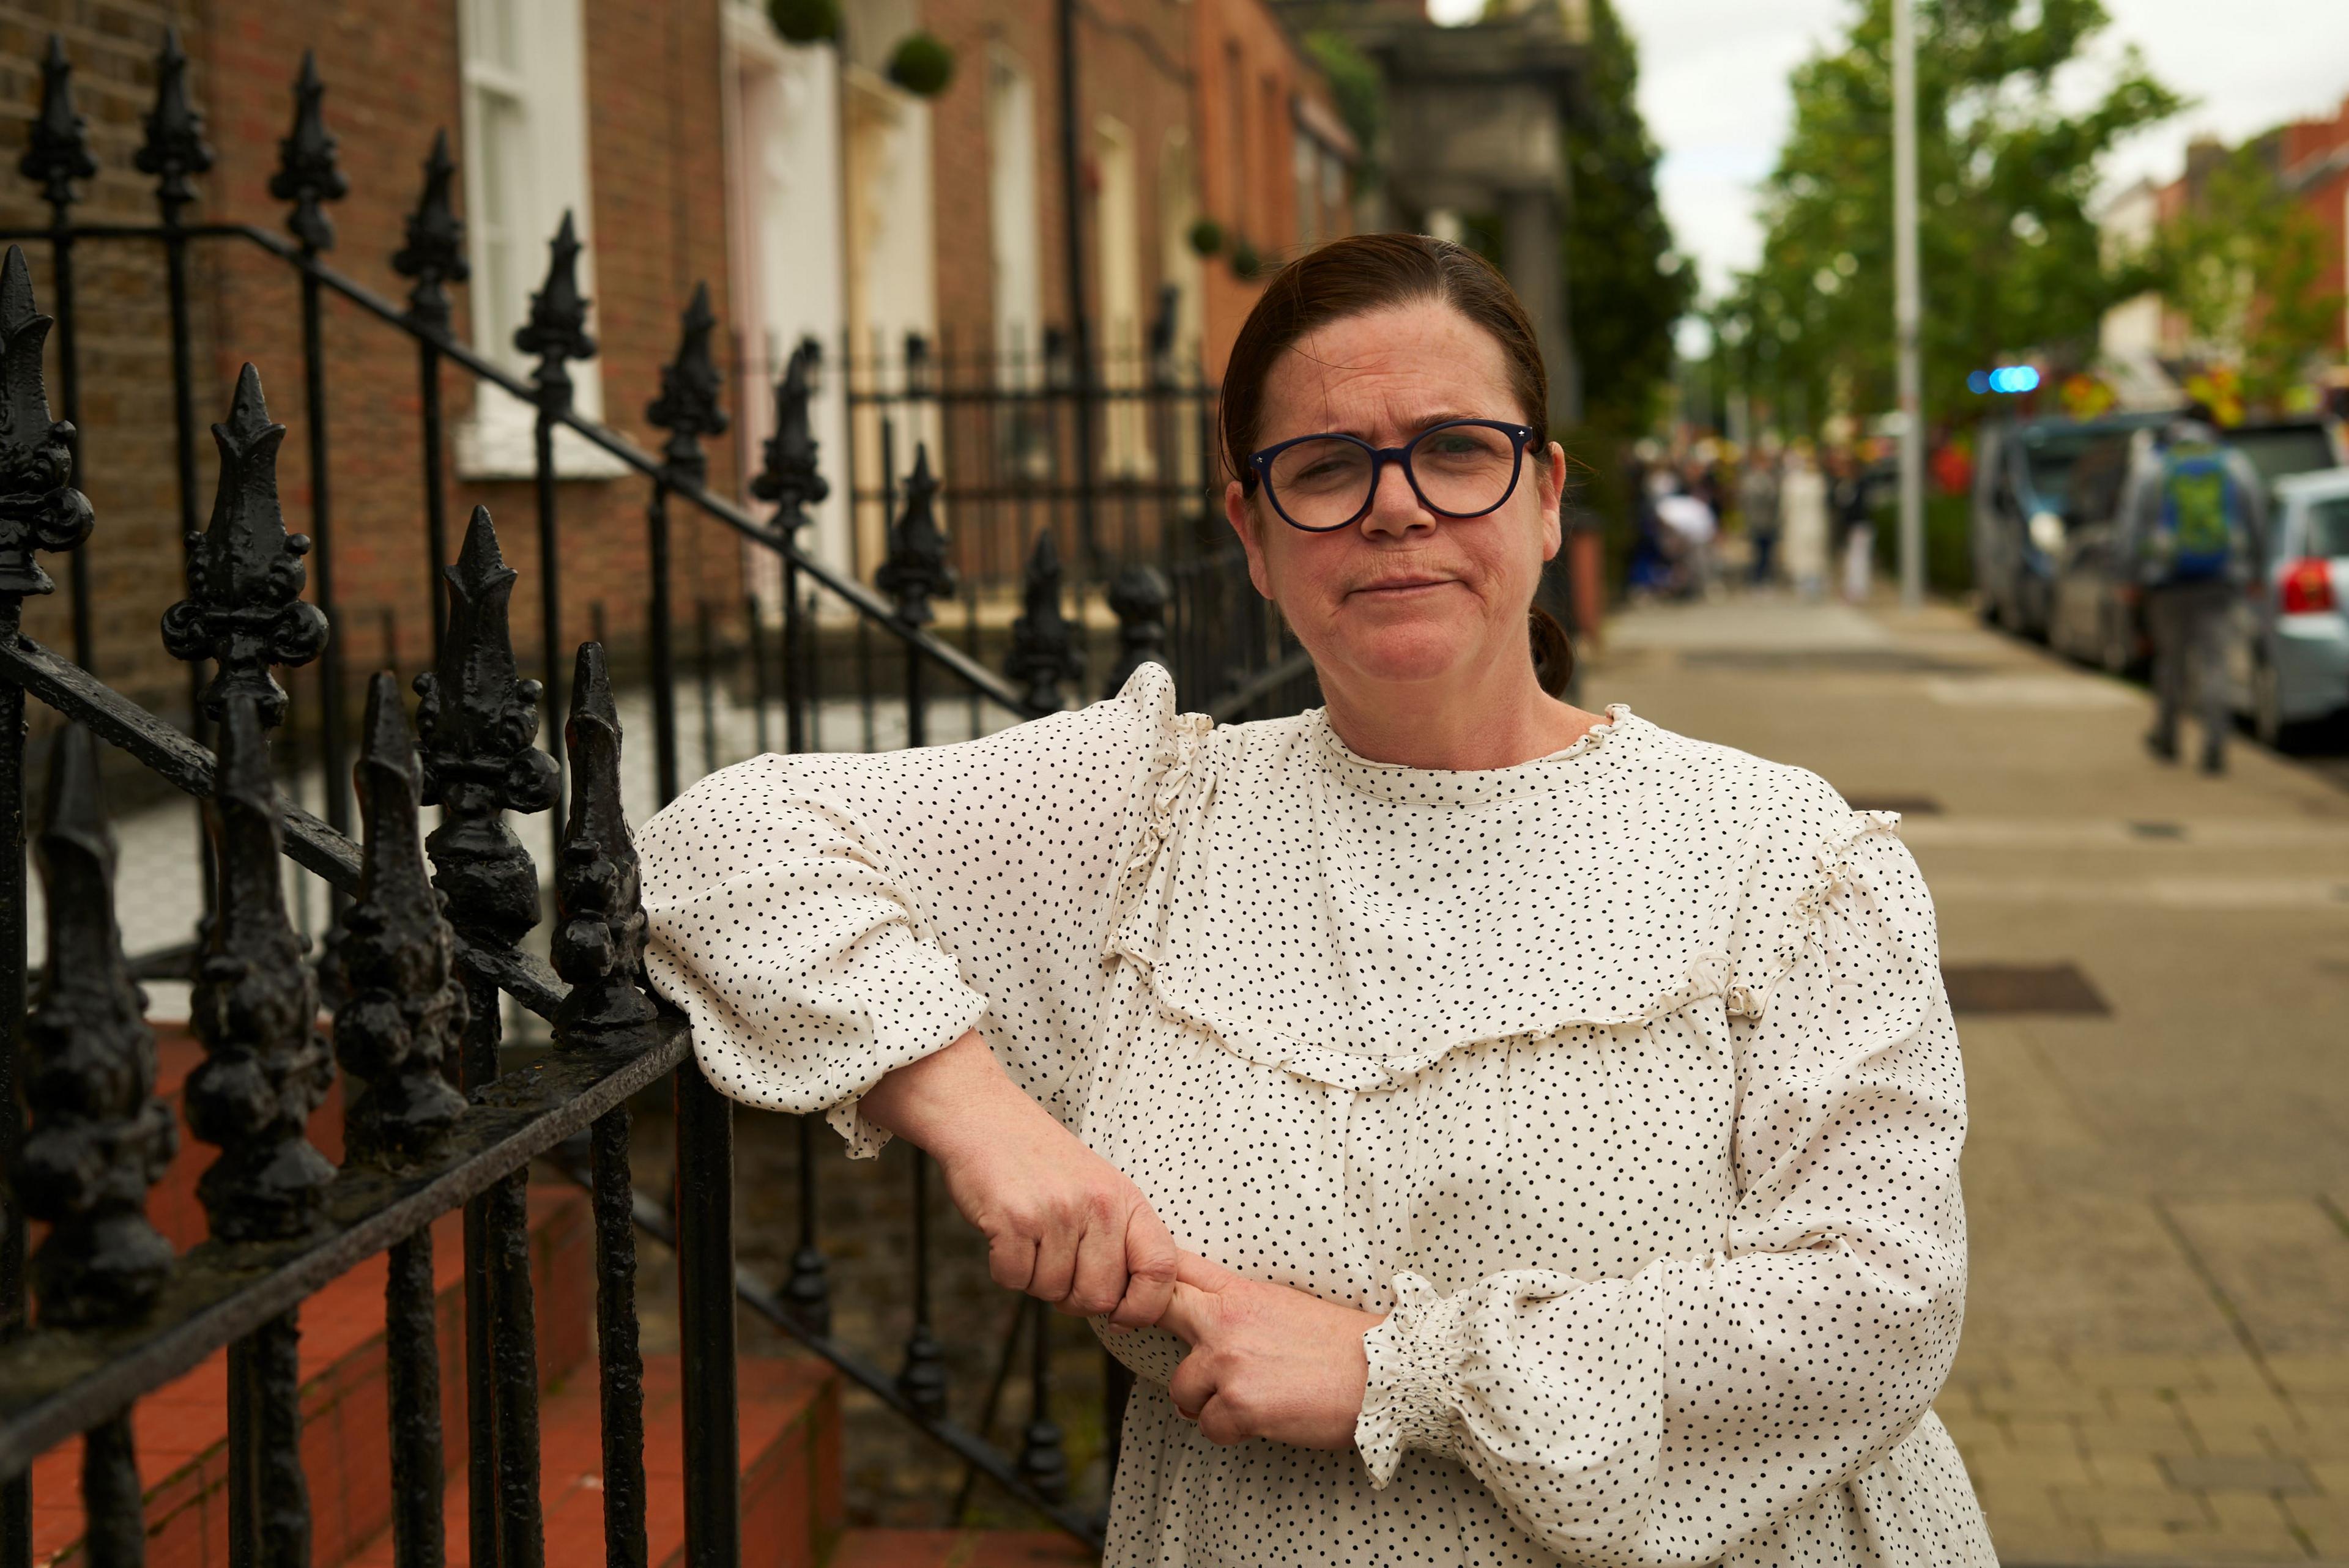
(2009, 379)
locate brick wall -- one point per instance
(2313, 150)
(127, 454)
(1134, 66)
(1249, 69)
(391, 72)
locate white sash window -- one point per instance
(525, 146)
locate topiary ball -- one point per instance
(1246, 261)
(922, 64)
(1207, 237)
(806, 21)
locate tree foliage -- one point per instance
(1626, 288)
(2010, 257)
(2243, 264)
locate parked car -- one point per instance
(2288, 659)
(2095, 609)
(2091, 602)
(2278, 449)
(2024, 510)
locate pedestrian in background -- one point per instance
(1855, 524)
(1690, 526)
(2193, 520)
(1757, 500)
(1803, 518)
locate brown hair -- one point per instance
(1366, 272)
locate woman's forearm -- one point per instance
(948, 1096)
(1062, 1223)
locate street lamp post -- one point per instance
(1907, 308)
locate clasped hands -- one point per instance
(1064, 1225)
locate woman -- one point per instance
(1494, 1133)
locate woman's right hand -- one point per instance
(1062, 1223)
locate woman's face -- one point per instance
(1405, 594)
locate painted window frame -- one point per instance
(525, 136)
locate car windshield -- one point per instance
(2328, 526)
(2050, 455)
(2285, 450)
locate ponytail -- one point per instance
(1553, 655)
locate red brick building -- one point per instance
(647, 184)
(2313, 162)
(810, 190)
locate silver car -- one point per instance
(2290, 658)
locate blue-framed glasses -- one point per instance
(1462, 468)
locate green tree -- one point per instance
(2243, 264)
(2011, 257)
(1625, 287)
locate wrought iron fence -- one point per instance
(429, 954)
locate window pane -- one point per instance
(504, 293)
(2328, 526)
(497, 34)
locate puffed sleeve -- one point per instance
(823, 919)
(1664, 1417)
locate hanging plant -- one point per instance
(1246, 259)
(1207, 237)
(922, 64)
(806, 21)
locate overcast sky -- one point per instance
(1712, 85)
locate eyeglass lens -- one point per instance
(1461, 469)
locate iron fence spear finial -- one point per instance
(56, 149)
(477, 722)
(403, 1006)
(789, 476)
(434, 253)
(916, 571)
(1044, 653)
(174, 150)
(599, 946)
(255, 1008)
(99, 1138)
(38, 509)
(244, 607)
(557, 329)
(1139, 598)
(687, 404)
(306, 174)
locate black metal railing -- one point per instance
(827, 662)
(424, 958)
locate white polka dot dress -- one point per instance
(1623, 1081)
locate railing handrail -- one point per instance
(74, 693)
(61, 1381)
(864, 600)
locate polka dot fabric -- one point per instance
(1622, 1081)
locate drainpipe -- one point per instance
(1081, 337)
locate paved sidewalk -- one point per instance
(2155, 1364)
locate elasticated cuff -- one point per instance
(1406, 1403)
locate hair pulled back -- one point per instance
(1366, 272)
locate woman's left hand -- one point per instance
(1265, 1361)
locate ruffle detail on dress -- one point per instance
(1804, 925)
(1410, 1356)
(1180, 1000)
(1175, 788)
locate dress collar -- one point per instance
(1463, 787)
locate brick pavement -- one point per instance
(2155, 1364)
